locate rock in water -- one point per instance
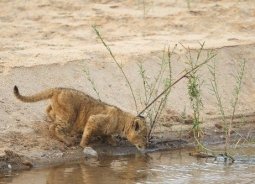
(90, 153)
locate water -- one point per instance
(161, 167)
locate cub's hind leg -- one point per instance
(63, 116)
(59, 128)
(50, 112)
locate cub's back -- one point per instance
(77, 99)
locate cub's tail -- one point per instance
(33, 98)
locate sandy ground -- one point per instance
(48, 43)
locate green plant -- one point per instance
(194, 91)
(188, 4)
(120, 66)
(151, 87)
(194, 88)
(234, 100)
(86, 71)
(183, 116)
(236, 92)
(227, 125)
(146, 6)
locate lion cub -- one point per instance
(71, 110)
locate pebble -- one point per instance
(90, 153)
(9, 166)
(59, 154)
(40, 154)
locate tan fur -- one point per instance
(71, 110)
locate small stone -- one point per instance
(89, 152)
(9, 166)
(59, 154)
(40, 154)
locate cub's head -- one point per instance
(137, 133)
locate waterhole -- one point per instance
(175, 166)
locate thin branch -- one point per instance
(183, 76)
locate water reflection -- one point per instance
(161, 167)
(105, 170)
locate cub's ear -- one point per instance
(136, 125)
